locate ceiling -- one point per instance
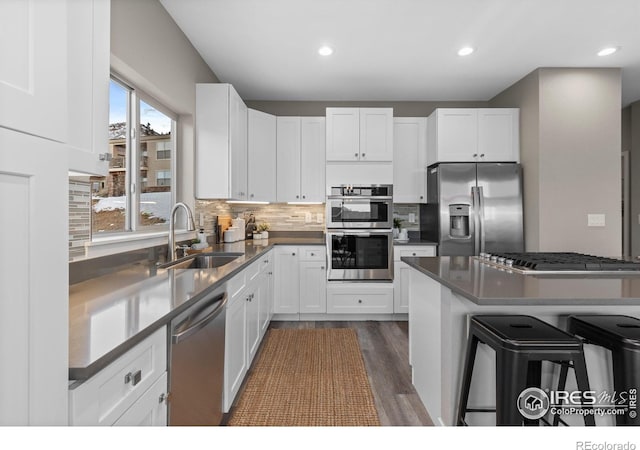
(405, 49)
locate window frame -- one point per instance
(133, 178)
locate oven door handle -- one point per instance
(358, 197)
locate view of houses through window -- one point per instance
(136, 194)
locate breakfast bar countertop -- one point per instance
(486, 285)
(111, 313)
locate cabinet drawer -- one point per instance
(312, 254)
(149, 410)
(103, 398)
(345, 302)
(404, 251)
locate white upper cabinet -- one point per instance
(88, 81)
(499, 134)
(221, 142)
(262, 156)
(473, 135)
(301, 159)
(34, 69)
(359, 134)
(410, 160)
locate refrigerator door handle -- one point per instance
(480, 194)
(475, 204)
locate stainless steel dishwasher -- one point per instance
(196, 372)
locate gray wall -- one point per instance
(575, 162)
(315, 108)
(149, 50)
(525, 94)
(633, 136)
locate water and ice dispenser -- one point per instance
(459, 220)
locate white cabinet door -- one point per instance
(376, 134)
(343, 134)
(34, 68)
(313, 287)
(150, 409)
(312, 159)
(287, 281)
(238, 143)
(88, 37)
(409, 160)
(453, 135)
(498, 135)
(401, 273)
(266, 296)
(221, 142)
(235, 354)
(288, 159)
(34, 290)
(252, 316)
(262, 156)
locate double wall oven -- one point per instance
(359, 233)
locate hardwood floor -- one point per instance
(385, 350)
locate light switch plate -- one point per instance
(320, 218)
(307, 217)
(412, 218)
(595, 220)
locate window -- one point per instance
(137, 194)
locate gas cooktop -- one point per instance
(559, 263)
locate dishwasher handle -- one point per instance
(179, 337)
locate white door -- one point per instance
(456, 134)
(312, 159)
(288, 159)
(409, 160)
(88, 80)
(313, 287)
(238, 145)
(498, 136)
(235, 356)
(376, 134)
(150, 409)
(343, 134)
(33, 71)
(34, 291)
(287, 281)
(262, 156)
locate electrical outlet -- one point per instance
(595, 220)
(319, 218)
(307, 217)
(412, 218)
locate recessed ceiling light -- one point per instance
(607, 51)
(325, 50)
(465, 51)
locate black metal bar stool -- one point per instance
(521, 344)
(621, 335)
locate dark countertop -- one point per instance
(110, 314)
(485, 285)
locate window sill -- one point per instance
(108, 245)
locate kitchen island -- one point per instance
(445, 291)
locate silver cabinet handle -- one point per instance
(481, 155)
(356, 155)
(322, 267)
(251, 196)
(475, 155)
(313, 254)
(413, 254)
(293, 254)
(304, 196)
(297, 196)
(359, 300)
(133, 377)
(164, 398)
(363, 155)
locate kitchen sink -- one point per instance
(202, 261)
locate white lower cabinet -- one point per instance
(300, 280)
(360, 298)
(248, 315)
(128, 390)
(150, 409)
(401, 273)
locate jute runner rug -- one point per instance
(307, 377)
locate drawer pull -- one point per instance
(133, 378)
(359, 300)
(313, 254)
(414, 254)
(164, 398)
(293, 254)
(322, 267)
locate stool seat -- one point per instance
(519, 332)
(521, 343)
(610, 331)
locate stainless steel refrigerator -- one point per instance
(473, 208)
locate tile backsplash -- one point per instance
(404, 212)
(79, 216)
(280, 216)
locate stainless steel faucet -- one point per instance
(171, 256)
